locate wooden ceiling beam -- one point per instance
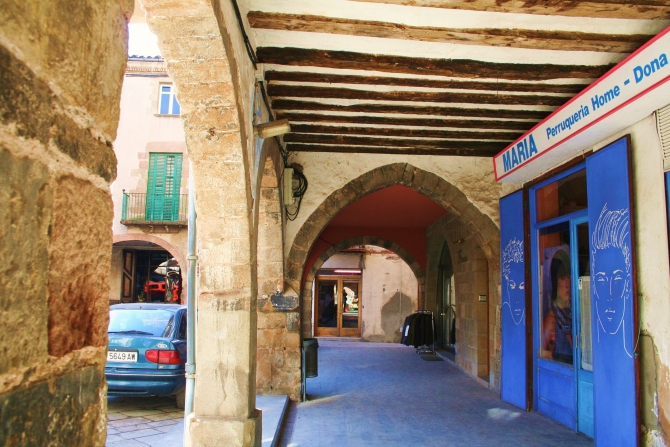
(460, 68)
(410, 133)
(298, 91)
(297, 76)
(498, 37)
(612, 9)
(292, 104)
(444, 151)
(392, 142)
(293, 117)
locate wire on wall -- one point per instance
(298, 192)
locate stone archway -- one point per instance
(181, 260)
(473, 237)
(483, 229)
(365, 240)
(306, 295)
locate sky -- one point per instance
(141, 41)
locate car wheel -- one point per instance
(180, 399)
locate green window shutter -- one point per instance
(163, 187)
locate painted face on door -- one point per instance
(612, 285)
(611, 268)
(514, 277)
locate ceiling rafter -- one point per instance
(613, 9)
(298, 91)
(460, 68)
(536, 87)
(501, 37)
(291, 104)
(417, 122)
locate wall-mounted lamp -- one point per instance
(272, 129)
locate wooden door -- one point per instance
(337, 306)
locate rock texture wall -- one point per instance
(278, 354)
(477, 323)
(61, 67)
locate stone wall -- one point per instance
(278, 354)
(388, 292)
(478, 225)
(61, 68)
(477, 323)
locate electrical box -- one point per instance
(287, 193)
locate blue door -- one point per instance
(563, 383)
(614, 316)
(513, 311)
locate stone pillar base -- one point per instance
(233, 432)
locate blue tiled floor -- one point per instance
(370, 394)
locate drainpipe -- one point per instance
(190, 302)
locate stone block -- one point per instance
(220, 431)
(78, 307)
(49, 33)
(291, 340)
(270, 338)
(293, 358)
(263, 374)
(271, 320)
(24, 272)
(293, 321)
(65, 410)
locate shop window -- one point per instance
(555, 294)
(564, 196)
(167, 101)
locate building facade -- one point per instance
(396, 101)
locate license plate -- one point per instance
(122, 356)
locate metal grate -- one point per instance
(663, 126)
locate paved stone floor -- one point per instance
(373, 394)
(140, 421)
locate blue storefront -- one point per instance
(569, 258)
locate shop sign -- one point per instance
(627, 93)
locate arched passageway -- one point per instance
(389, 279)
(473, 241)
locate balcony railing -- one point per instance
(149, 209)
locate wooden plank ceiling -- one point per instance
(441, 77)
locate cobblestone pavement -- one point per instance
(385, 395)
(140, 421)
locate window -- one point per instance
(167, 101)
(163, 187)
(183, 327)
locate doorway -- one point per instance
(446, 321)
(562, 316)
(338, 306)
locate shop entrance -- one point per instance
(562, 314)
(338, 306)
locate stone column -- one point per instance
(202, 62)
(61, 69)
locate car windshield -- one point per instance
(155, 322)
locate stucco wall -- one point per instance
(329, 172)
(61, 67)
(388, 293)
(142, 131)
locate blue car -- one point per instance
(146, 353)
